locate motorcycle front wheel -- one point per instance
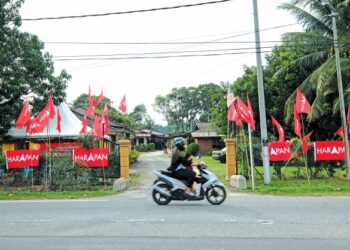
(159, 198)
(215, 195)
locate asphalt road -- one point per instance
(133, 221)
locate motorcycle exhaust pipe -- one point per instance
(162, 191)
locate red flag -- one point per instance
(305, 144)
(24, 116)
(84, 128)
(340, 132)
(302, 105)
(91, 109)
(122, 105)
(279, 129)
(101, 97)
(297, 123)
(232, 115)
(58, 126)
(40, 122)
(89, 95)
(104, 118)
(250, 110)
(97, 130)
(243, 112)
(348, 119)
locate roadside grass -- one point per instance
(289, 184)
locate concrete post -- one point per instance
(230, 157)
(124, 158)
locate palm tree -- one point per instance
(316, 44)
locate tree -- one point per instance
(141, 118)
(320, 86)
(25, 70)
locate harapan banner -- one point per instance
(329, 150)
(280, 151)
(22, 158)
(91, 157)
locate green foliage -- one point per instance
(151, 146)
(192, 148)
(141, 118)
(26, 69)
(133, 155)
(88, 141)
(113, 169)
(2, 161)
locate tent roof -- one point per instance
(70, 126)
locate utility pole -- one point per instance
(340, 90)
(261, 95)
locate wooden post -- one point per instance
(124, 158)
(230, 157)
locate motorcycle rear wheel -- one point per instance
(159, 198)
(215, 195)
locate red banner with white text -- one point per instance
(91, 157)
(22, 158)
(329, 150)
(280, 151)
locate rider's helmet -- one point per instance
(179, 142)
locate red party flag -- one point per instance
(101, 97)
(305, 144)
(340, 132)
(97, 129)
(280, 130)
(89, 95)
(243, 112)
(122, 105)
(84, 128)
(91, 108)
(297, 123)
(302, 105)
(232, 115)
(24, 116)
(58, 126)
(250, 110)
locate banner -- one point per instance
(22, 158)
(91, 157)
(329, 150)
(280, 151)
(56, 145)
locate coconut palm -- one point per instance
(316, 45)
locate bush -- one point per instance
(133, 155)
(192, 148)
(2, 161)
(88, 141)
(113, 170)
(151, 146)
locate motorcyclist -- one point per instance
(179, 163)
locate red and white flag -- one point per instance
(302, 105)
(297, 123)
(122, 105)
(243, 112)
(97, 129)
(280, 130)
(58, 126)
(24, 116)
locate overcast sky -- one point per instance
(141, 80)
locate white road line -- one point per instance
(230, 220)
(50, 201)
(266, 222)
(139, 220)
(19, 221)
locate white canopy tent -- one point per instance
(70, 126)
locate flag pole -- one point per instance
(305, 155)
(251, 156)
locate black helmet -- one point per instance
(179, 142)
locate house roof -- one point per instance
(204, 130)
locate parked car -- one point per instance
(219, 155)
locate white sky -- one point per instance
(142, 80)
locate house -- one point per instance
(146, 136)
(207, 138)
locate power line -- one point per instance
(156, 57)
(126, 12)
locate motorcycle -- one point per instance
(167, 188)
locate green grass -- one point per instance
(27, 195)
(289, 185)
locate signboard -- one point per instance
(280, 151)
(91, 157)
(57, 145)
(22, 158)
(329, 150)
